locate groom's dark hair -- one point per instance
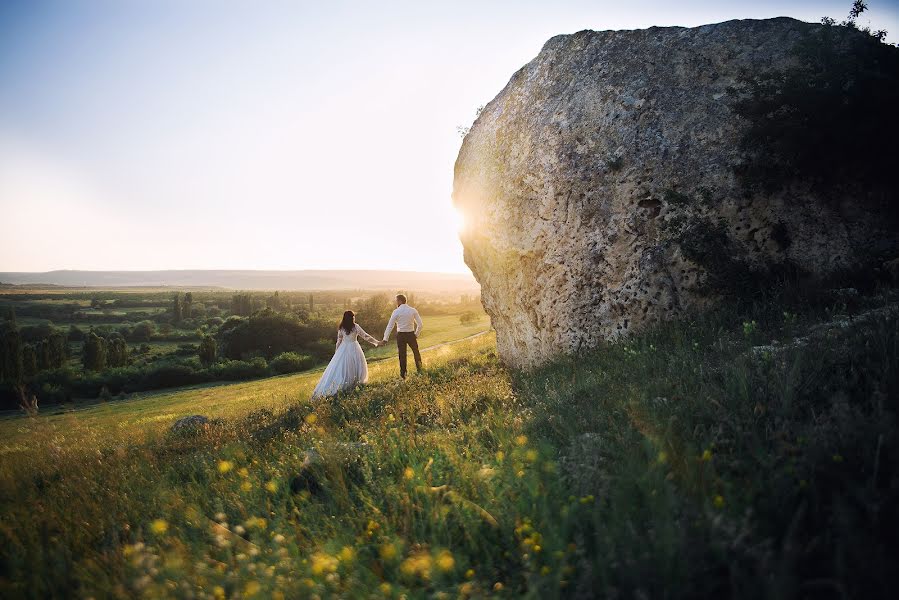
(401, 298)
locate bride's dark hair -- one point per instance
(348, 322)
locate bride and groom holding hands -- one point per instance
(348, 366)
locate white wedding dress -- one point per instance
(348, 367)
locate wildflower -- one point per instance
(545, 571)
(588, 499)
(387, 551)
(530, 455)
(391, 419)
(409, 473)
(218, 592)
(498, 586)
(417, 564)
(243, 472)
(279, 539)
(371, 528)
(521, 440)
(251, 589)
(469, 573)
(323, 563)
(272, 486)
(500, 456)
(220, 516)
(239, 530)
(706, 455)
(445, 561)
(255, 523)
(519, 474)
(718, 501)
(225, 466)
(466, 589)
(246, 486)
(311, 418)
(159, 526)
(347, 554)
(385, 587)
(663, 457)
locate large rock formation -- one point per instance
(599, 189)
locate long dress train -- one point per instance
(348, 367)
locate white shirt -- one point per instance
(406, 319)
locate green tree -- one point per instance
(177, 312)
(11, 370)
(206, 350)
(116, 351)
(93, 355)
(29, 361)
(188, 305)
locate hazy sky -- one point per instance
(259, 134)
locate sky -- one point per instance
(205, 134)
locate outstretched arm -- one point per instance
(390, 325)
(418, 323)
(371, 340)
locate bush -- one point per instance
(236, 370)
(171, 375)
(468, 318)
(291, 362)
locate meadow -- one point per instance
(744, 453)
(62, 345)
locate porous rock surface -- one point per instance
(568, 178)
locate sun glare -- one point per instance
(459, 219)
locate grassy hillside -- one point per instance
(699, 459)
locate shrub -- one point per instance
(236, 370)
(291, 362)
(170, 375)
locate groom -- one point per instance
(408, 328)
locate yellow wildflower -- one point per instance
(252, 588)
(218, 592)
(530, 455)
(272, 486)
(387, 551)
(246, 486)
(347, 554)
(469, 573)
(445, 561)
(663, 457)
(706, 455)
(417, 564)
(323, 563)
(311, 418)
(385, 587)
(500, 456)
(521, 440)
(498, 586)
(409, 473)
(159, 526)
(225, 466)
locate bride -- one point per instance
(348, 367)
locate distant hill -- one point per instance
(254, 280)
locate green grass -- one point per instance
(680, 463)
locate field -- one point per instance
(747, 453)
(147, 414)
(147, 339)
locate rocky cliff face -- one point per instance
(599, 190)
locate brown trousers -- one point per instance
(404, 338)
